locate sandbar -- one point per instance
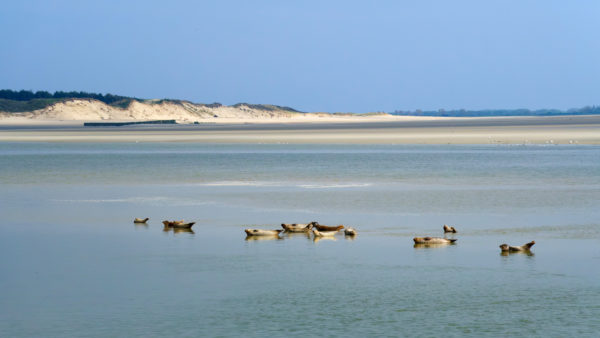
(583, 129)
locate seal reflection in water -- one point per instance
(183, 230)
(317, 239)
(178, 230)
(428, 246)
(305, 234)
(263, 238)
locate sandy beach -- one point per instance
(373, 130)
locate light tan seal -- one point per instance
(178, 224)
(433, 240)
(141, 220)
(261, 232)
(350, 232)
(318, 233)
(297, 227)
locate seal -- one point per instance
(318, 233)
(327, 228)
(350, 232)
(297, 227)
(525, 247)
(449, 229)
(178, 224)
(261, 232)
(433, 240)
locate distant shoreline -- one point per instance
(489, 130)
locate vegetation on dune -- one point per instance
(14, 106)
(267, 107)
(13, 101)
(26, 95)
(27, 100)
(213, 105)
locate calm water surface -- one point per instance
(73, 264)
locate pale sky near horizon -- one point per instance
(356, 56)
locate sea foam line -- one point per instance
(334, 186)
(141, 200)
(240, 184)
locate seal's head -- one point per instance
(504, 247)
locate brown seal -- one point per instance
(525, 247)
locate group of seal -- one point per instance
(505, 248)
(437, 240)
(319, 231)
(315, 228)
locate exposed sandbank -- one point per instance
(508, 130)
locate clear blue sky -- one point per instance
(310, 55)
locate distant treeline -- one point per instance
(14, 101)
(588, 110)
(26, 95)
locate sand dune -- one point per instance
(79, 110)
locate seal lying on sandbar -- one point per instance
(141, 220)
(433, 240)
(260, 232)
(449, 229)
(296, 227)
(524, 247)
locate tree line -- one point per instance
(588, 110)
(27, 95)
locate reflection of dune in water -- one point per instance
(579, 231)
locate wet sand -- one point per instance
(504, 130)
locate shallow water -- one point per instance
(74, 265)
